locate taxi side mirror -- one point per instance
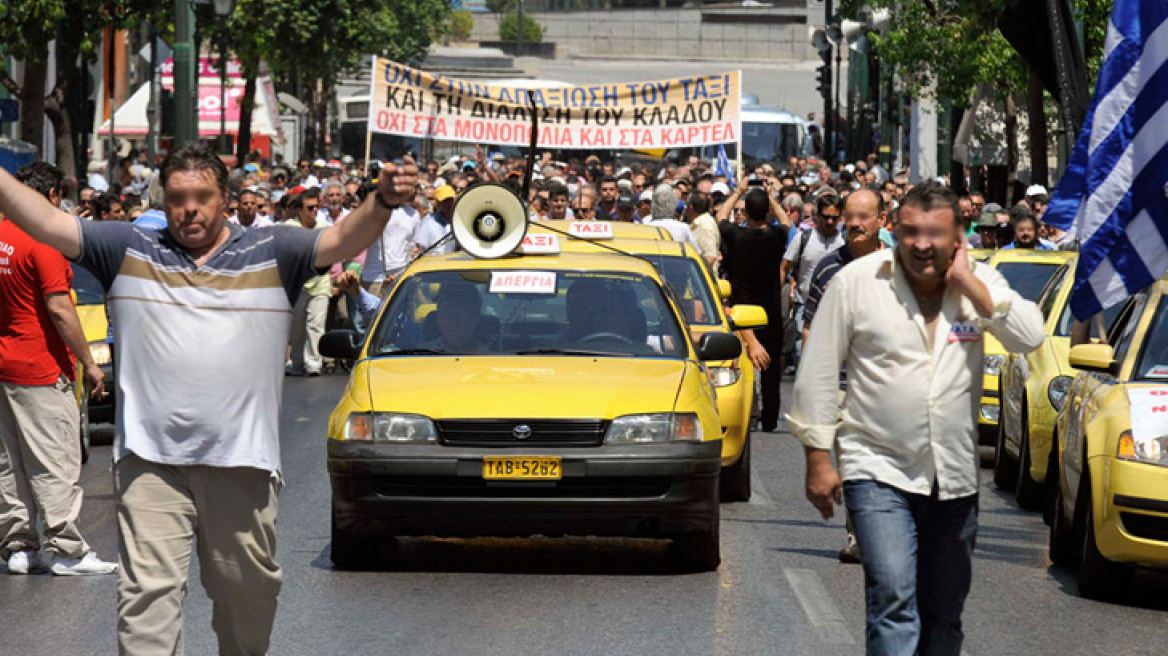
(724, 288)
(341, 344)
(1092, 357)
(719, 346)
(747, 316)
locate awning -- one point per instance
(131, 118)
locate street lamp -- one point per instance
(223, 9)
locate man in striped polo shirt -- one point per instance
(203, 311)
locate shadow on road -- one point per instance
(581, 556)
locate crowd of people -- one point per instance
(780, 233)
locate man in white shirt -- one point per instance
(909, 323)
(804, 252)
(332, 204)
(704, 227)
(437, 224)
(392, 252)
(248, 214)
(662, 210)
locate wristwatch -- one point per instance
(381, 201)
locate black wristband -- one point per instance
(381, 201)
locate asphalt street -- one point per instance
(780, 589)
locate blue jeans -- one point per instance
(918, 553)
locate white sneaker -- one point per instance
(25, 562)
(87, 565)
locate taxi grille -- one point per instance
(502, 432)
(1148, 527)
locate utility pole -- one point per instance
(185, 101)
(828, 106)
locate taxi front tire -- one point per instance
(1098, 577)
(1027, 492)
(1062, 543)
(698, 551)
(354, 552)
(734, 483)
(1005, 468)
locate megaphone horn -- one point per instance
(489, 221)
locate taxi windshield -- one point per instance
(1027, 278)
(515, 312)
(87, 288)
(1153, 362)
(693, 292)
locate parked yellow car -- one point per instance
(555, 394)
(1111, 494)
(1027, 271)
(700, 296)
(89, 298)
(1033, 388)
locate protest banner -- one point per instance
(691, 111)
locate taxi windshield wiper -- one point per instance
(566, 351)
(414, 351)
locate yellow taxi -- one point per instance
(700, 296)
(557, 394)
(1027, 271)
(1111, 494)
(89, 298)
(1033, 388)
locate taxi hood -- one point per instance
(523, 387)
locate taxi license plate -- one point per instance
(522, 468)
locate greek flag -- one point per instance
(722, 167)
(1113, 195)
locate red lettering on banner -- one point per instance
(1158, 392)
(1160, 408)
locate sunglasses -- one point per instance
(312, 208)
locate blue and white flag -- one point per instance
(722, 167)
(1113, 196)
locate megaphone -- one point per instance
(489, 221)
(852, 29)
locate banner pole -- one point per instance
(738, 146)
(369, 119)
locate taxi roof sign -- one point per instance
(591, 229)
(540, 244)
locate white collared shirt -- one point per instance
(910, 414)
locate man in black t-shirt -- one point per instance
(754, 256)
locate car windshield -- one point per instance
(1027, 278)
(693, 291)
(515, 312)
(1153, 362)
(87, 288)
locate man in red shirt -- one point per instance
(40, 464)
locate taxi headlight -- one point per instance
(389, 427)
(723, 376)
(993, 364)
(1153, 451)
(101, 352)
(1057, 390)
(655, 428)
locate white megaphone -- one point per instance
(852, 29)
(489, 221)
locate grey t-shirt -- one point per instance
(817, 247)
(200, 350)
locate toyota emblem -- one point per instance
(521, 432)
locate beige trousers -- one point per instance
(308, 323)
(40, 466)
(230, 513)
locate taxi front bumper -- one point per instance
(1133, 524)
(430, 490)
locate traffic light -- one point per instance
(823, 77)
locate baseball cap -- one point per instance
(445, 192)
(335, 164)
(646, 195)
(987, 220)
(1035, 190)
(720, 188)
(250, 167)
(320, 163)
(627, 200)
(469, 165)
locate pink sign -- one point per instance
(208, 67)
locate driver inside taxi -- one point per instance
(458, 319)
(598, 311)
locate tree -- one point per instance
(27, 27)
(308, 44)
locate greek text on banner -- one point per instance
(691, 111)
